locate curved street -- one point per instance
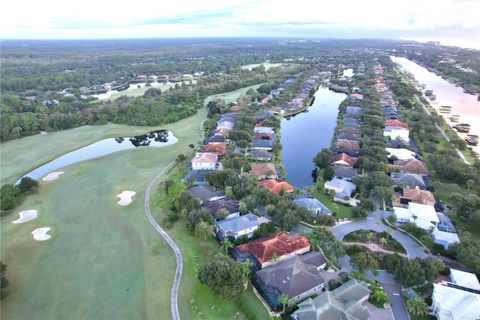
(171, 243)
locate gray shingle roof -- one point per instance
(237, 224)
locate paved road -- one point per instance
(171, 243)
(414, 250)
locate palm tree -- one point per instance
(417, 306)
(383, 241)
(226, 245)
(274, 257)
(283, 299)
(379, 296)
(314, 243)
(370, 236)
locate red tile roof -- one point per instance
(411, 166)
(205, 157)
(275, 186)
(343, 157)
(263, 170)
(280, 244)
(350, 130)
(395, 123)
(349, 144)
(218, 148)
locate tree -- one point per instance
(3, 281)
(224, 276)
(383, 241)
(384, 194)
(323, 159)
(274, 257)
(226, 245)
(243, 207)
(328, 173)
(370, 236)
(364, 261)
(417, 306)
(246, 265)
(228, 191)
(27, 184)
(197, 216)
(470, 183)
(379, 296)
(283, 300)
(221, 214)
(203, 230)
(359, 212)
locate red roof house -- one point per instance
(344, 159)
(411, 166)
(395, 123)
(218, 148)
(276, 186)
(264, 171)
(280, 244)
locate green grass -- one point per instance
(341, 210)
(137, 92)
(104, 260)
(232, 96)
(195, 251)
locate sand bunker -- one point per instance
(53, 176)
(125, 197)
(26, 216)
(40, 234)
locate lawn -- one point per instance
(232, 96)
(137, 92)
(341, 210)
(104, 260)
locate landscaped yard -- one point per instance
(363, 236)
(341, 210)
(232, 96)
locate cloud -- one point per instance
(190, 18)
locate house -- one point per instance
(412, 180)
(307, 201)
(464, 279)
(205, 193)
(260, 155)
(348, 136)
(395, 123)
(353, 110)
(269, 250)
(230, 205)
(400, 154)
(444, 238)
(204, 161)
(424, 216)
(352, 130)
(452, 302)
(357, 96)
(298, 277)
(263, 144)
(264, 136)
(343, 190)
(217, 138)
(411, 166)
(197, 176)
(344, 159)
(345, 302)
(414, 195)
(236, 227)
(397, 133)
(264, 171)
(348, 144)
(218, 148)
(275, 186)
(344, 172)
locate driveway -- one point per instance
(414, 250)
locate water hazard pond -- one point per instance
(159, 138)
(306, 134)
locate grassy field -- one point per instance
(232, 95)
(104, 260)
(197, 300)
(136, 91)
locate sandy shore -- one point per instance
(53, 176)
(26, 216)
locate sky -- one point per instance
(88, 19)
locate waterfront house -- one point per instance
(401, 154)
(298, 277)
(397, 133)
(348, 144)
(415, 195)
(344, 172)
(412, 180)
(424, 216)
(345, 302)
(353, 110)
(215, 139)
(263, 144)
(454, 302)
(344, 159)
(269, 250)
(307, 201)
(205, 193)
(204, 161)
(196, 176)
(262, 129)
(352, 130)
(275, 186)
(348, 136)
(236, 227)
(260, 155)
(395, 123)
(343, 190)
(230, 205)
(264, 171)
(411, 166)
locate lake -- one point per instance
(447, 94)
(306, 134)
(159, 138)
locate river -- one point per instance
(305, 134)
(447, 94)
